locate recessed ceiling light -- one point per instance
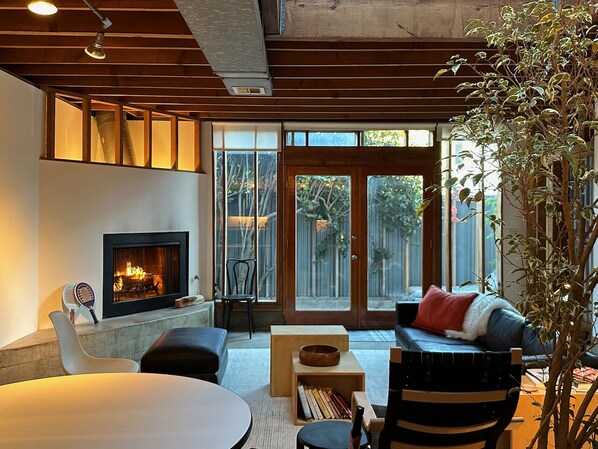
(41, 7)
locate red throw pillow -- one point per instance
(440, 310)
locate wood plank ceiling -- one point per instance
(153, 61)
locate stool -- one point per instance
(198, 352)
(328, 435)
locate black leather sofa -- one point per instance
(506, 329)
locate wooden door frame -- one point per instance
(347, 318)
(426, 159)
(376, 318)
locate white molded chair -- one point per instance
(74, 358)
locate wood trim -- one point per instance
(147, 139)
(516, 356)
(50, 150)
(461, 397)
(366, 156)
(398, 445)
(174, 142)
(448, 226)
(86, 131)
(197, 146)
(396, 355)
(438, 430)
(119, 118)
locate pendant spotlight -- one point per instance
(42, 7)
(96, 49)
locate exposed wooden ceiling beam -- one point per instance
(53, 41)
(193, 71)
(364, 96)
(215, 82)
(369, 44)
(139, 22)
(114, 56)
(361, 57)
(104, 5)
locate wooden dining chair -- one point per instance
(446, 399)
(240, 276)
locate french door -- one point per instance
(353, 243)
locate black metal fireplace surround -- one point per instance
(144, 271)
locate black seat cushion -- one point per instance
(414, 339)
(188, 351)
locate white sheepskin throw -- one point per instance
(475, 321)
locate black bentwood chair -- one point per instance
(446, 400)
(240, 276)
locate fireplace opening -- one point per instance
(144, 271)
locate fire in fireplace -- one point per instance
(144, 271)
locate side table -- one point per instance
(286, 339)
(345, 378)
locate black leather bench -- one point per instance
(198, 352)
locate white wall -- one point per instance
(53, 215)
(21, 131)
(81, 202)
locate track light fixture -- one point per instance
(42, 7)
(96, 49)
(105, 20)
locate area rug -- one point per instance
(248, 375)
(372, 335)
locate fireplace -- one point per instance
(144, 271)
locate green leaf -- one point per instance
(558, 78)
(422, 207)
(440, 73)
(464, 193)
(450, 182)
(455, 68)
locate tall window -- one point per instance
(245, 167)
(469, 251)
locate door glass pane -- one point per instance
(323, 237)
(394, 240)
(240, 202)
(266, 218)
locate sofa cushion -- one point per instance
(414, 339)
(505, 329)
(531, 344)
(440, 310)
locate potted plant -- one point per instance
(534, 119)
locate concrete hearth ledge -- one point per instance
(36, 355)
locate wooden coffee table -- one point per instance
(286, 339)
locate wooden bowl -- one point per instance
(319, 355)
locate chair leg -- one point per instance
(250, 318)
(229, 313)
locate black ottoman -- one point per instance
(198, 352)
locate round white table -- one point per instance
(118, 411)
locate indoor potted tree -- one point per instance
(534, 119)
